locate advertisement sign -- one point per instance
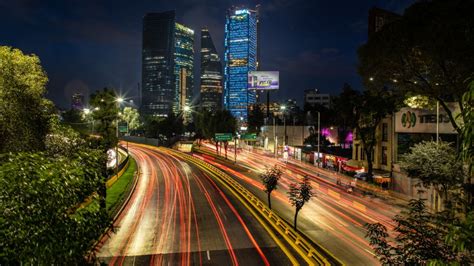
(263, 80)
(410, 120)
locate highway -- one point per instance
(333, 219)
(177, 215)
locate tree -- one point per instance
(270, 180)
(78, 120)
(255, 119)
(224, 122)
(106, 113)
(435, 164)
(299, 194)
(220, 121)
(418, 240)
(132, 117)
(23, 109)
(428, 51)
(343, 107)
(373, 106)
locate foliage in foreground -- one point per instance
(38, 221)
(418, 240)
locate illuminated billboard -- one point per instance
(263, 80)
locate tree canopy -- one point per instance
(435, 164)
(428, 51)
(24, 112)
(106, 111)
(132, 117)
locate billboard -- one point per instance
(263, 80)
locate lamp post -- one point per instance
(319, 138)
(118, 101)
(283, 108)
(274, 137)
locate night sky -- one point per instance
(87, 45)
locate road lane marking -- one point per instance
(208, 255)
(334, 194)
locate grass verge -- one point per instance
(117, 193)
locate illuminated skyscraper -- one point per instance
(211, 73)
(167, 64)
(240, 58)
(183, 67)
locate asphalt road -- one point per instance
(334, 218)
(178, 215)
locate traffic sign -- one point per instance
(249, 136)
(223, 136)
(123, 128)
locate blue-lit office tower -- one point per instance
(167, 64)
(240, 57)
(183, 67)
(211, 74)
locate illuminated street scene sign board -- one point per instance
(263, 80)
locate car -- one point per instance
(361, 176)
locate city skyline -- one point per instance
(92, 50)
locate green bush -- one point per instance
(38, 197)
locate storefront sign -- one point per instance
(410, 120)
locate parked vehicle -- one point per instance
(361, 176)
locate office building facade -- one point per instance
(240, 57)
(167, 64)
(211, 74)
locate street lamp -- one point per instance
(118, 100)
(283, 108)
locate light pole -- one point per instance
(283, 108)
(319, 137)
(118, 101)
(274, 137)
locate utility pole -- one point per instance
(319, 138)
(274, 138)
(235, 149)
(437, 122)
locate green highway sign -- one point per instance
(223, 136)
(249, 136)
(123, 128)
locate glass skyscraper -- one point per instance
(183, 67)
(167, 64)
(240, 58)
(211, 74)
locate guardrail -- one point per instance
(299, 243)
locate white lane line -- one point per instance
(208, 255)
